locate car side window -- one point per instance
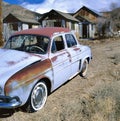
(70, 39)
(58, 44)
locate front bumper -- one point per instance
(8, 102)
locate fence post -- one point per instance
(1, 37)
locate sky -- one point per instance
(69, 6)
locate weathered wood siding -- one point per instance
(88, 15)
(1, 39)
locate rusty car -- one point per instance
(35, 62)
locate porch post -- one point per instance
(88, 31)
(1, 37)
(19, 26)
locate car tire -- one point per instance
(83, 72)
(37, 97)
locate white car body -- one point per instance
(21, 70)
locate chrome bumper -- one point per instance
(9, 102)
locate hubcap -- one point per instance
(84, 68)
(39, 96)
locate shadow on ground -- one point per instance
(4, 113)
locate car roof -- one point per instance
(46, 31)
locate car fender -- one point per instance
(21, 83)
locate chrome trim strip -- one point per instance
(8, 102)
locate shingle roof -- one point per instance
(22, 19)
(67, 16)
(91, 10)
(64, 15)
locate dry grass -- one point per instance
(102, 103)
(96, 98)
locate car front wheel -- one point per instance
(37, 98)
(83, 72)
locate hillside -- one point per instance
(15, 9)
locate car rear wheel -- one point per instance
(37, 98)
(83, 72)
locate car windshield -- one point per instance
(28, 43)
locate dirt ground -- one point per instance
(95, 98)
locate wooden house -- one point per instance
(1, 38)
(15, 22)
(83, 22)
(18, 22)
(16, 18)
(56, 18)
(88, 20)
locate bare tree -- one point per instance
(109, 25)
(115, 17)
(1, 38)
(101, 27)
(113, 6)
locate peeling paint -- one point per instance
(28, 74)
(20, 71)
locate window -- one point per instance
(58, 44)
(70, 40)
(26, 42)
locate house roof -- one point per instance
(64, 15)
(96, 13)
(67, 16)
(47, 31)
(19, 18)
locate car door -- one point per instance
(60, 61)
(74, 51)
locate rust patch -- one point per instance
(9, 63)
(28, 74)
(32, 54)
(76, 49)
(54, 59)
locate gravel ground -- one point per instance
(95, 98)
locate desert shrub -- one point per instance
(102, 103)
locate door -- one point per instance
(85, 30)
(61, 61)
(74, 52)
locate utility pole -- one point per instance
(1, 37)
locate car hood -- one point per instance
(11, 61)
